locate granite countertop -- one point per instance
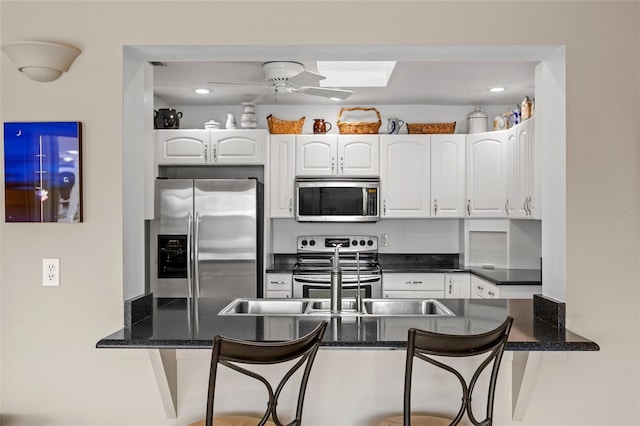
(171, 325)
(432, 263)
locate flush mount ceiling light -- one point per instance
(355, 73)
(496, 89)
(40, 60)
(202, 91)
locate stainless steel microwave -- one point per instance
(337, 200)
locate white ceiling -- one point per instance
(430, 82)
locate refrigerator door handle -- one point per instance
(189, 253)
(196, 254)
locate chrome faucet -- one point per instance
(336, 282)
(358, 298)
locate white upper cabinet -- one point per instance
(182, 146)
(521, 183)
(282, 175)
(238, 146)
(486, 175)
(337, 155)
(316, 155)
(404, 176)
(447, 175)
(359, 155)
(194, 146)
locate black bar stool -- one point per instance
(239, 354)
(426, 345)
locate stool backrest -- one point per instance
(426, 345)
(238, 354)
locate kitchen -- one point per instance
(450, 233)
(406, 235)
(592, 241)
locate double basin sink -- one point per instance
(304, 307)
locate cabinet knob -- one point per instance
(435, 207)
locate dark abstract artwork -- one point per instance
(43, 172)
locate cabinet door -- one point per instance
(316, 155)
(359, 155)
(182, 146)
(483, 289)
(282, 175)
(457, 286)
(486, 174)
(405, 176)
(447, 175)
(278, 285)
(530, 185)
(237, 146)
(514, 176)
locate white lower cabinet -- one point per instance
(413, 285)
(457, 285)
(483, 289)
(278, 286)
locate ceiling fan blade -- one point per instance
(306, 78)
(259, 98)
(327, 93)
(237, 84)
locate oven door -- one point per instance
(319, 287)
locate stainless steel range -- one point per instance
(358, 261)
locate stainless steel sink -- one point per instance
(323, 307)
(265, 307)
(404, 307)
(303, 307)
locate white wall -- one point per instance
(51, 372)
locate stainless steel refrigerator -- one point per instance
(208, 239)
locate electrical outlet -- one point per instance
(385, 240)
(51, 272)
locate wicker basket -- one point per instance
(358, 127)
(280, 127)
(431, 128)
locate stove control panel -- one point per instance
(348, 243)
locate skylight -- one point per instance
(355, 73)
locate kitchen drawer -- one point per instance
(413, 282)
(427, 294)
(483, 289)
(279, 282)
(277, 294)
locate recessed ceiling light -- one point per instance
(355, 73)
(202, 91)
(496, 89)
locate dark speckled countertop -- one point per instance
(169, 324)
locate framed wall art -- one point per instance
(43, 172)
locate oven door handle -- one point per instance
(308, 280)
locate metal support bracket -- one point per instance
(165, 370)
(525, 367)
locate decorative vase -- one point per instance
(248, 118)
(231, 122)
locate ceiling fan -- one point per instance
(286, 77)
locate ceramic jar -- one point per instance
(231, 122)
(477, 121)
(248, 118)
